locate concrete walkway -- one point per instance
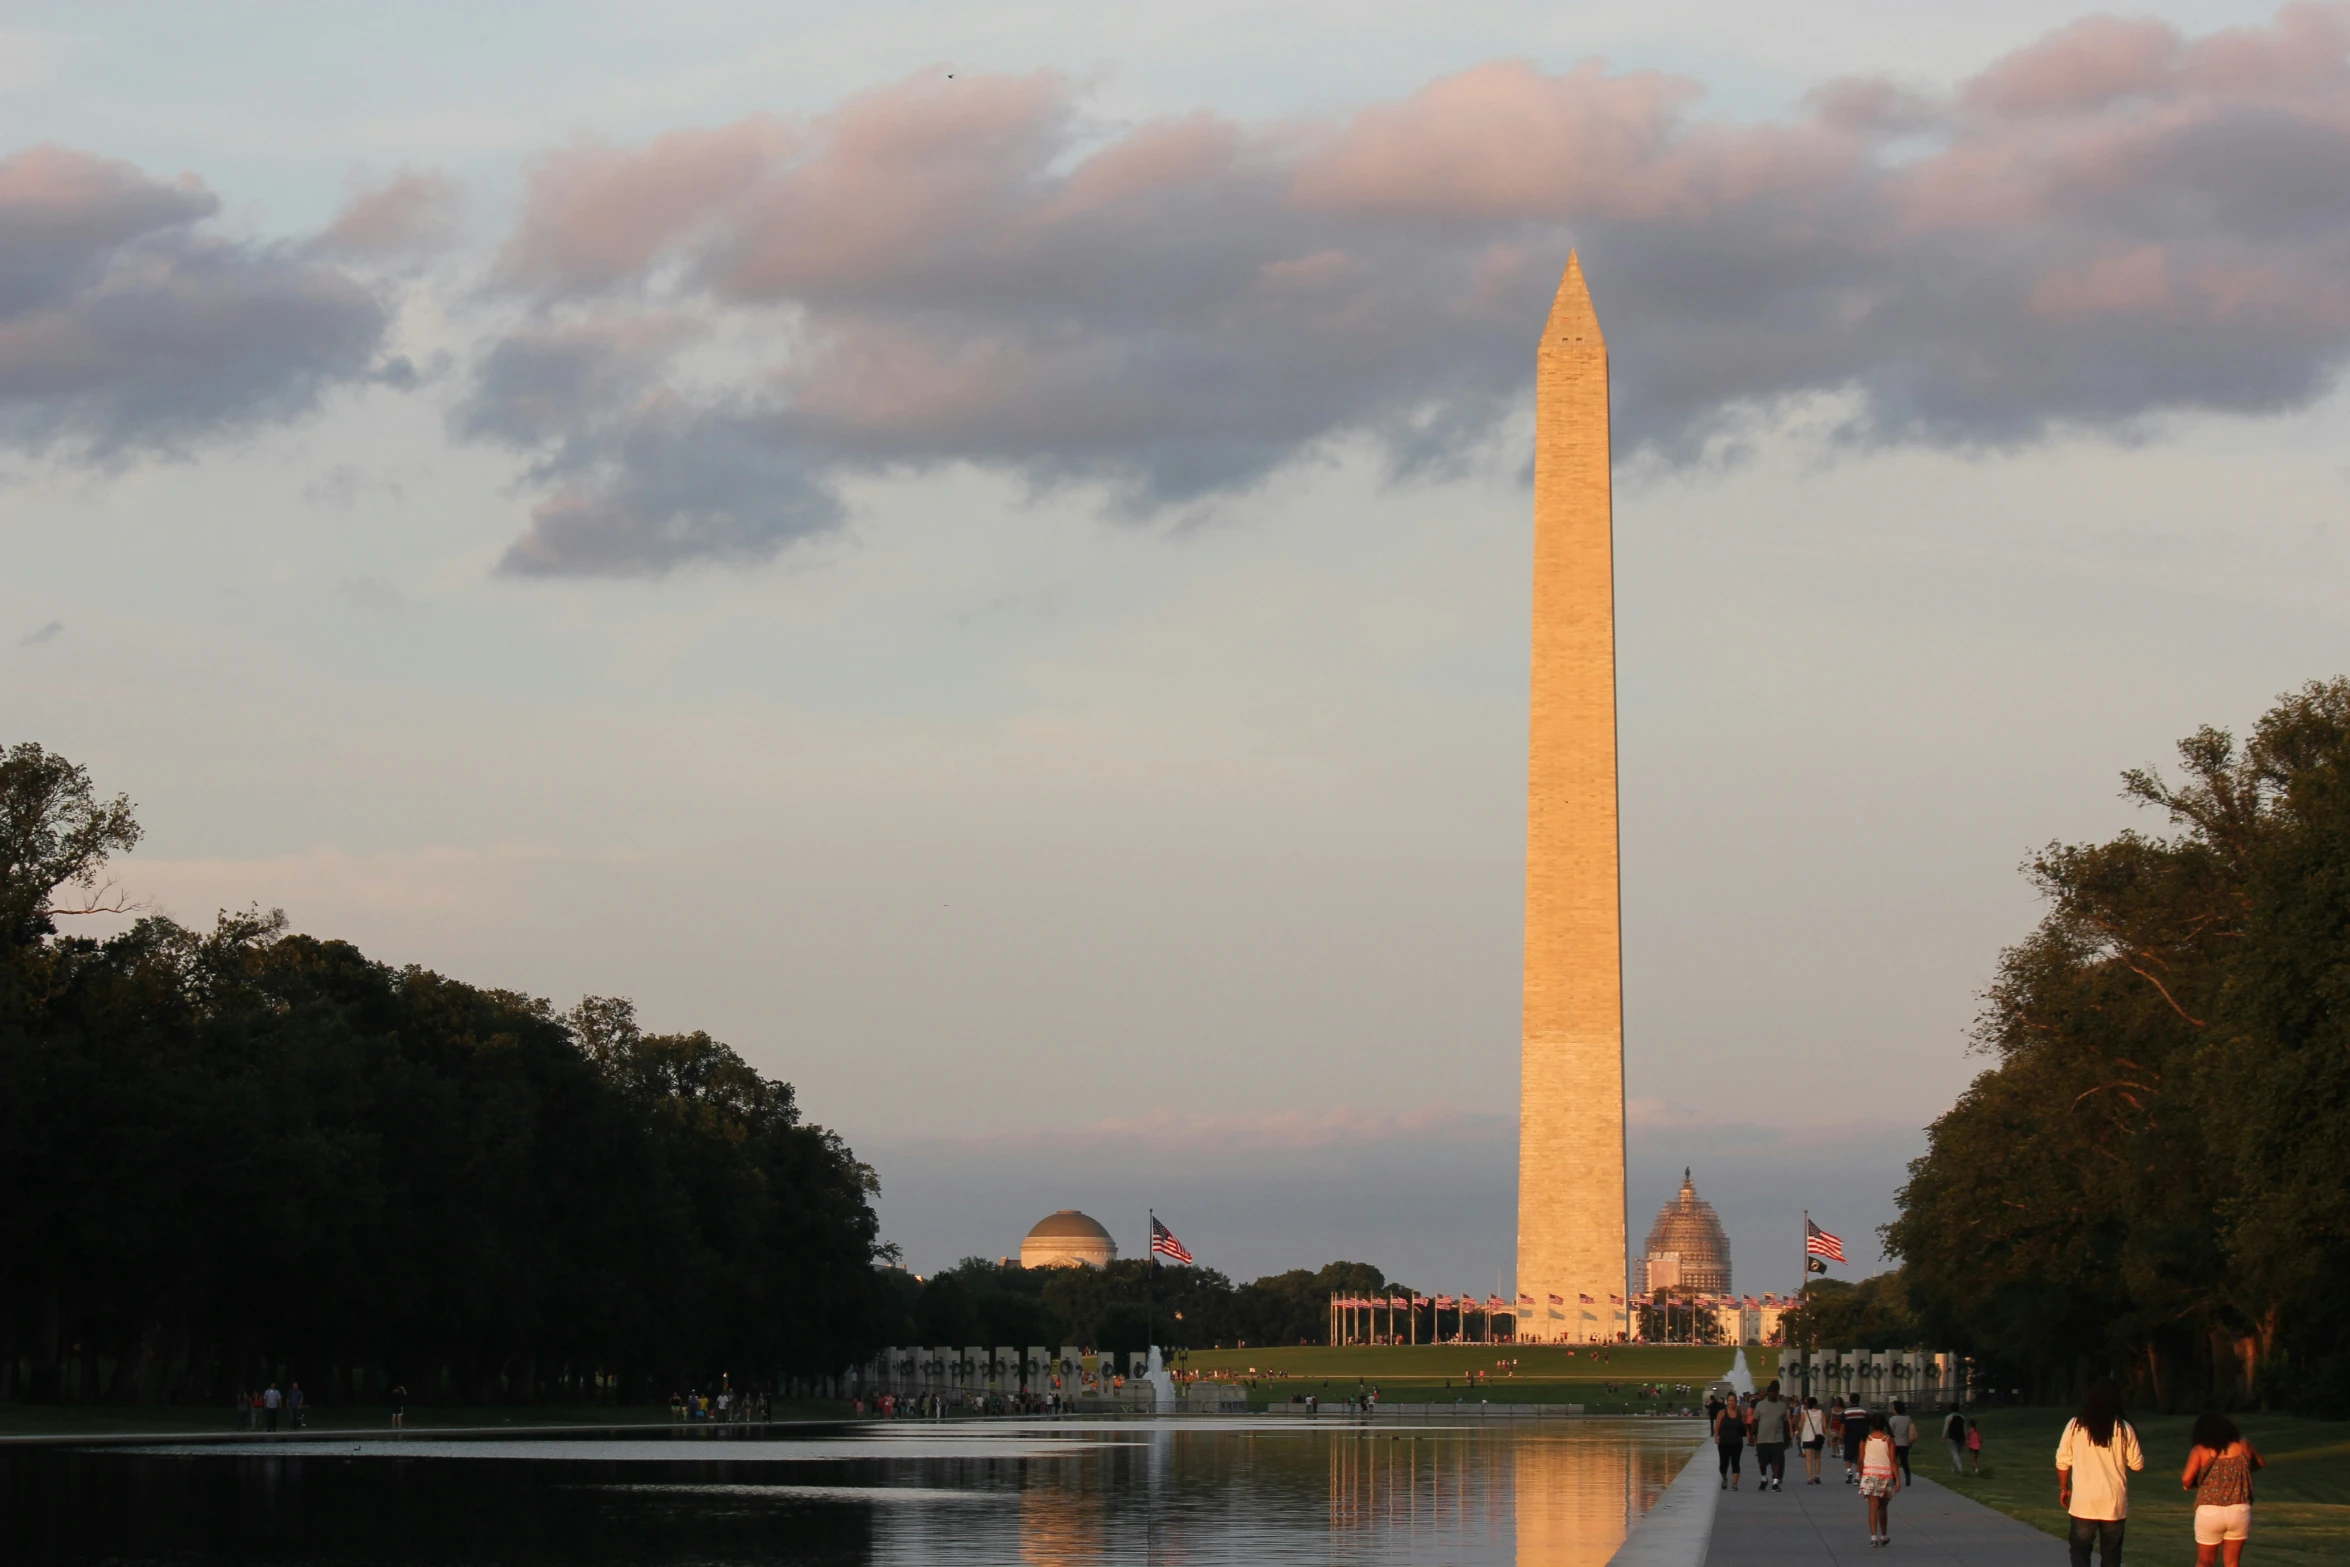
(1697, 1524)
(1829, 1522)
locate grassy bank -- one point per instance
(1604, 1380)
(176, 1419)
(2301, 1517)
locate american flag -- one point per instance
(1444, 1303)
(1496, 1303)
(1164, 1243)
(1819, 1243)
(1587, 1300)
(1558, 1300)
(1525, 1300)
(1398, 1303)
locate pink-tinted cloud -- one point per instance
(2082, 67)
(596, 216)
(125, 327)
(413, 211)
(2113, 223)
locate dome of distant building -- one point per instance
(1068, 1239)
(1687, 1248)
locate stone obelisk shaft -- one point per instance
(1571, 1088)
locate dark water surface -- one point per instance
(1557, 1493)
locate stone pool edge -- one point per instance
(1677, 1531)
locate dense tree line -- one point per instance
(1126, 1306)
(2154, 1177)
(242, 1153)
(1873, 1313)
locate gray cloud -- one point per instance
(124, 328)
(48, 633)
(2113, 224)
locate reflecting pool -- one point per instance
(1559, 1493)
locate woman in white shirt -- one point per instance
(1814, 1436)
(2094, 1458)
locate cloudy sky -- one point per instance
(980, 554)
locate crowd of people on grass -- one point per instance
(722, 1406)
(936, 1406)
(2095, 1458)
(261, 1409)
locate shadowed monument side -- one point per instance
(1571, 1084)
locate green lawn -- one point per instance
(1543, 1374)
(109, 1419)
(2301, 1517)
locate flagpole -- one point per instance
(1802, 1301)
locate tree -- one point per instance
(1871, 1314)
(54, 833)
(247, 1154)
(2154, 1178)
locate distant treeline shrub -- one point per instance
(1125, 1306)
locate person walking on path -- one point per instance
(2094, 1458)
(399, 1406)
(2219, 1472)
(1771, 1418)
(1954, 1432)
(1815, 1438)
(1855, 1430)
(1880, 1477)
(1729, 1441)
(294, 1406)
(1904, 1432)
(270, 1401)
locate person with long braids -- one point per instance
(2094, 1458)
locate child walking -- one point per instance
(1880, 1477)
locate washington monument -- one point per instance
(1571, 1084)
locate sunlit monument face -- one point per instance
(1067, 1239)
(1571, 1088)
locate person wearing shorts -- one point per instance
(1771, 1418)
(2219, 1472)
(1880, 1477)
(1855, 1430)
(1815, 1438)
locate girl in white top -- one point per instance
(1880, 1477)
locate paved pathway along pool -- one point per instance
(1696, 1524)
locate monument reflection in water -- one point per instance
(1557, 1493)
